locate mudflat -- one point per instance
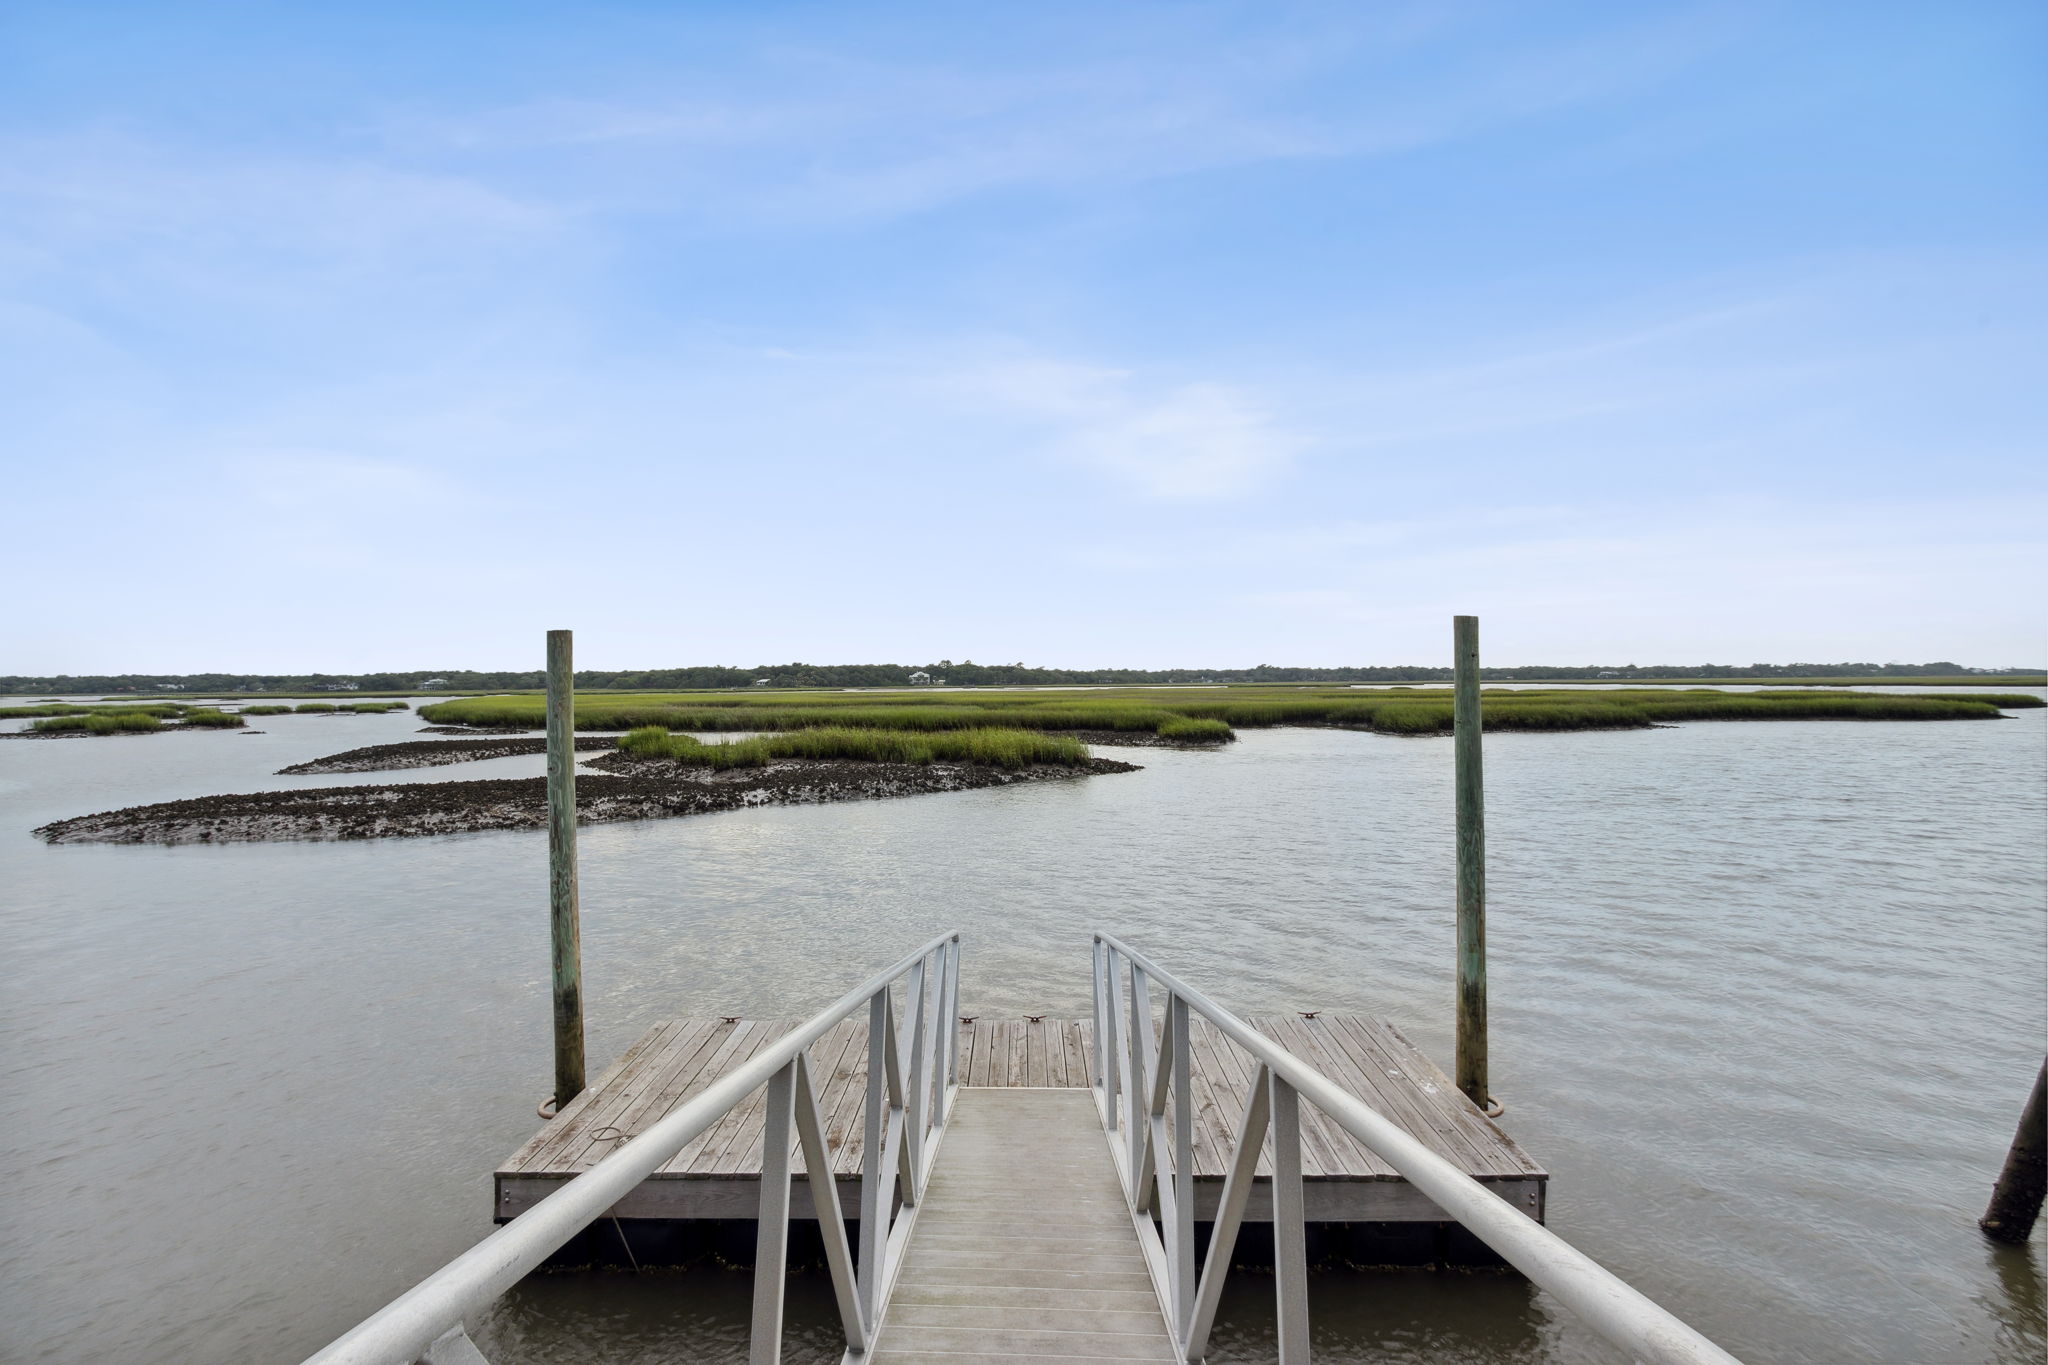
(652, 791)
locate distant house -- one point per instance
(761, 682)
(920, 678)
(171, 687)
(434, 682)
(1607, 673)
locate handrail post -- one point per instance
(944, 1030)
(1237, 1191)
(1153, 1176)
(1290, 1252)
(940, 1037)
(1140, 1079)
(898, 1139)
(771, 1233)
(910, 1058)
(1182, 1265)
(876, 1177)
(824, 1186)
(564, 933)
(1095, 1006)
(952, 1018)
(1110, 1041)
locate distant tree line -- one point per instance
(965, 673)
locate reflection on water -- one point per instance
(658, 1317)
(2019, 1304)
(1766, 999)
(1444, 1318)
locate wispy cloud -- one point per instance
(99, 189)
(1566, 584)
(1230, 304)
(1198, 440)
(844, 135)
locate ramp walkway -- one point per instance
(1014, 1224)
(1024, 1248)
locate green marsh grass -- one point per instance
(266, 710)
(1000, 748)
(161, 710)
(610, 714)
(315, 708)
(103, 723)
(1214, 713)
(2008, 701)
(1880, 680)
(212, 720)
(1197, 728)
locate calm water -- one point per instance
(1767, 999)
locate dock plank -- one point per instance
(985, 1042)
(747, 1037)
(601, 1093)
(744, 1120)
(1036, 1072)
(1356, 1057)
(665, 1080)
(1417, 1069)
(1232, 1081)
(678, 1059)
(843, 1101)
(1215, 1117)
(1077, 1062)
(638, 1098)
(1326, 1148)
(969, 1034)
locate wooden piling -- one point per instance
(563, 911)
(2016, 1202)
(1471, 796)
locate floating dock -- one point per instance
(1007, 1191)
(717, 1176)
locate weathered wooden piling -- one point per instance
(2016, 1202)
(1471, 790)
(563, 911)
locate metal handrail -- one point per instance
(1133, 1080)
(426, 1322)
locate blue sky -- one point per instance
(387, 336)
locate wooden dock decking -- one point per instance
(718, 1175)
(1023, 1248)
